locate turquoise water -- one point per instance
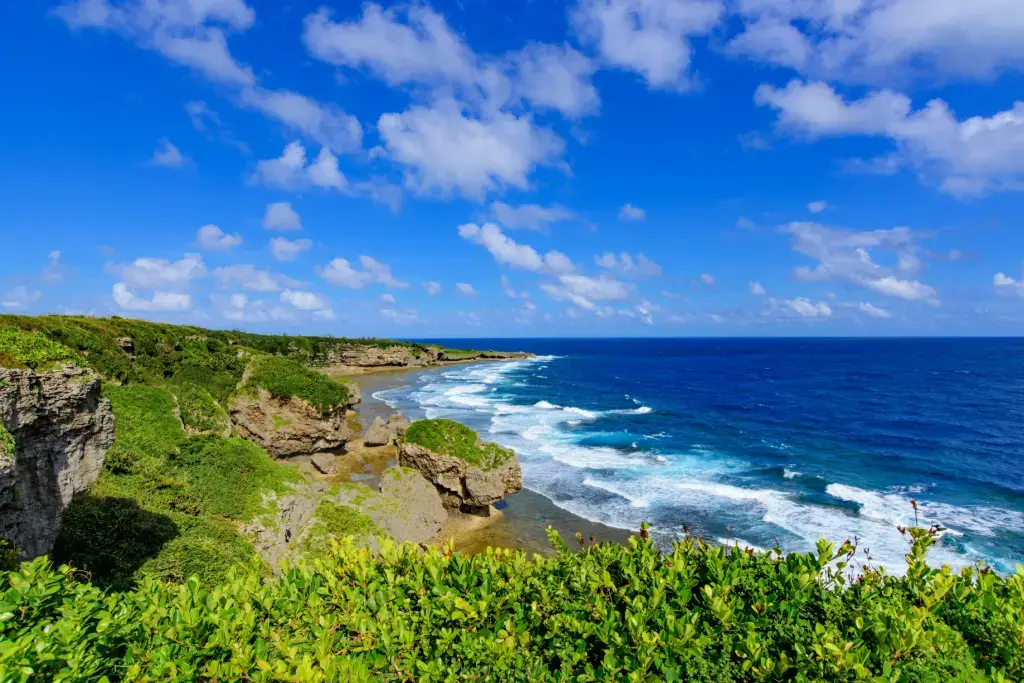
(768, 442)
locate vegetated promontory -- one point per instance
(178, 475)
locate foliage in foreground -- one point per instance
(166, 504)
(454, 439)
(608, 612)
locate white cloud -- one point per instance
(413, 44)
(291, 172)
(324, 124)
(248, 277)
(432, 288)
(1008, 285)
(584, 291)
(803, 308)
(716, 318)
(817, 206)
(682, 318)
(874, 311)
(340, 272)
(650, 37)
(845, 255)
(168, 155)
(19, 298)
(406, 317)
(157, 273)
(286, 250)
(239, 308)
(54, 272)
(756, 288)
(708, 279)
(744, 223)
(160, 301)
(465, 288)
(388, 298)
(627, 265)
(510, 291)
(506, 251)
(528, 216)
(631, 213)
(495, 153)
(973, 157)
(884, 39)
(206, 120)
(281, 216)
(212, 237)
(318, 305)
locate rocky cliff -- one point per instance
(287, 427)
(347, 358)
(462, 486)
(60, 428)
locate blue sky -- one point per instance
(590, 168)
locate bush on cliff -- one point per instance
(456, 440)
(284, 378)
(166, 504)
(607, 613)
(19, 349)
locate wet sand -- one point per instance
(525, 515)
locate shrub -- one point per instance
(199, 411)
(284, 378)
(608, 613)
(451, 438)
(333, 522)
(20, 349)
(7, 444)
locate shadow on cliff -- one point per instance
(111, 538)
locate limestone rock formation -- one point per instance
(61, 428)
(324, 462)
(287, 427)
(275, 538)
(382, 433)
(398, 423)
(463, 486)
(407, 508)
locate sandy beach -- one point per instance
(525, 515)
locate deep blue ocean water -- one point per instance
(767, 441)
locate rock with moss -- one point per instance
(470, 474)
(56, 429)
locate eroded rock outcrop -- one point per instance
(61, 428)
(462, 486)
(382, 433)
(343, 356)
(406, 508)
(288, 427)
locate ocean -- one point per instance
(765, 442)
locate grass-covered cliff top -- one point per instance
(607, 613)
(456, 440)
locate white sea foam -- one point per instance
(634, 501)
(790, 474)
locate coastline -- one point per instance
(525, 515)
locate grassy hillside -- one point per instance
(606, 613)
(456, 440)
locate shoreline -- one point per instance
(524, 515)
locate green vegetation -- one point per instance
(167, 504)
(199, 411)
(7, 445)
(22, 350)
(284, 378)
(607, 613)
(334, 521)
(447, 437)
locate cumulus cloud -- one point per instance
(1005, 284)
(168, 156)
(403, 317)
(973, 157)
(465, 288)
(631, 214)
(817, 206)
(55, 272)
(507, 251)
(291, 172)
(886, 40)
(213, 238)
(627, 265)
(584, 291)
(756, 288)
(239, 308)
(432, 288)
(340, 272)
(873, 311)
(248, 277)
(528, 216)
(845, 256)
(158, 273)
(19, 298)
(495, 153)
(159, 301)
(388, 298)
(286, 250)
(281, 216)
(318, 305)
(802, 308)
(650, 37)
